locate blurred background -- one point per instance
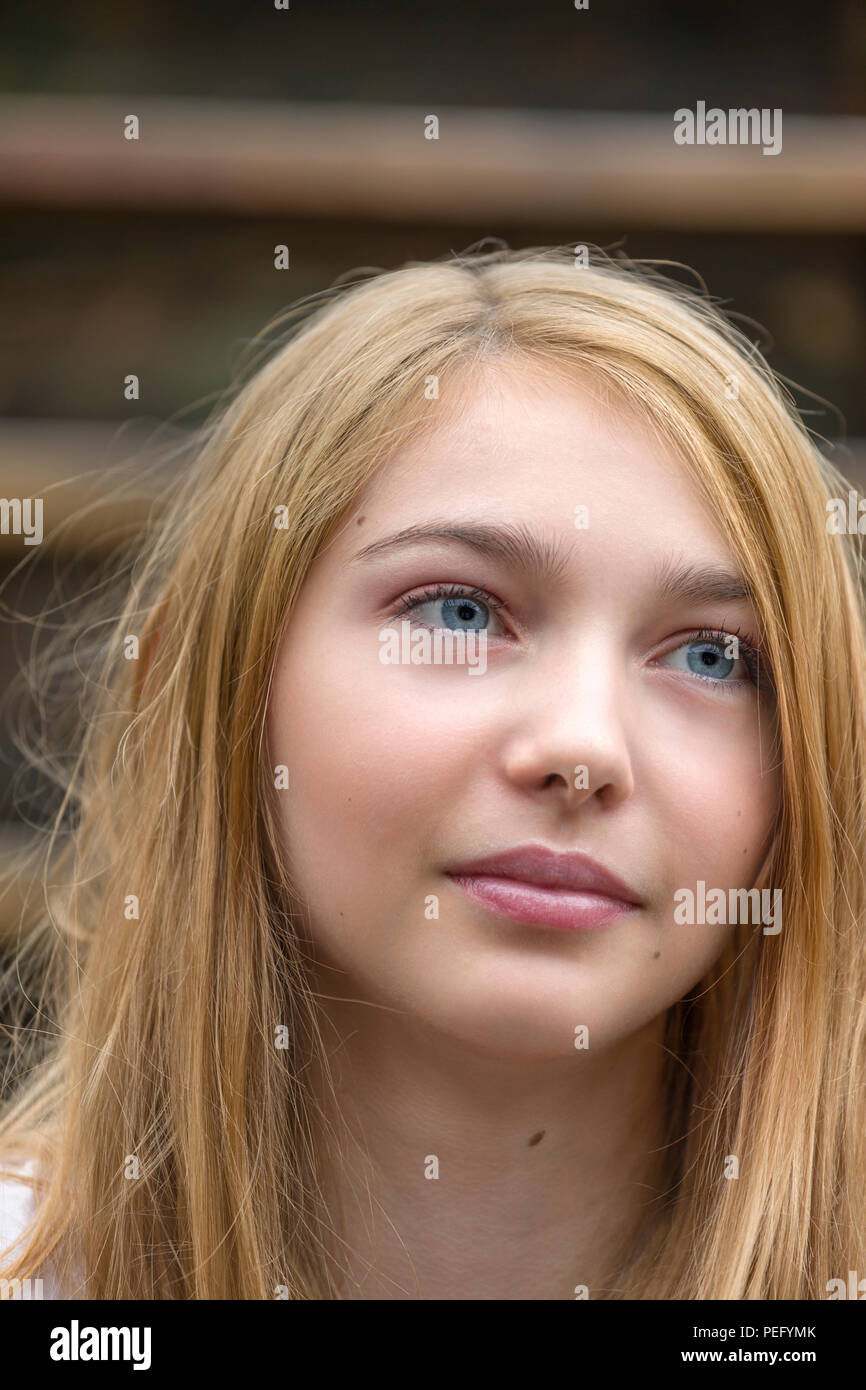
(302, 124)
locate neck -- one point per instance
(449, 1174)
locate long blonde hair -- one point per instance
(177, 1144)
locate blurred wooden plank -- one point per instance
(256, 158)
(65, 462)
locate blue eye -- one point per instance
(455, 608)
(715, 657)
(463, 612)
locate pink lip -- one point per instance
(533, 884)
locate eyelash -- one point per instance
(449, 591)
(749, 651)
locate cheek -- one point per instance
(717, 790)
(374, 755)
(718, 799)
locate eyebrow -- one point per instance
(544, 559)
(516, 545)
(701, 583)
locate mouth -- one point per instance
(540, 887)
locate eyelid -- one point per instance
(750, 652)
(429, 593)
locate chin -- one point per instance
(521, 1024)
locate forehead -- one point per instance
(523, 443)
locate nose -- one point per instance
(568, 737)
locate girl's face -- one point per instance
(596, 723)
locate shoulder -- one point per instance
(17, 1202)
(17, 1209)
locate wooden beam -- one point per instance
(345, 160)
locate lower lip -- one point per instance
(564, 909)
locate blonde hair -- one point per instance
(161, 1028)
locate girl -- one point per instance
(534, 969)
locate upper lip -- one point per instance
(550, 869)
